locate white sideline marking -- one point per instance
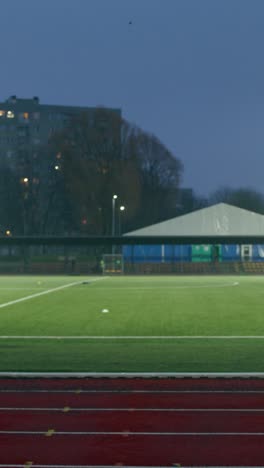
(125, 337)
(48, 291)
(122, 433)
(159, 410)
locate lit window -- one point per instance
(10, 114)
(26, 115)
(2, 113)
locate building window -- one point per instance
(36, 115)
(23, 117)
(2, 113)
(10, 114)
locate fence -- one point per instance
(138, 255)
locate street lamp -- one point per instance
(121, 210)
(113, 214)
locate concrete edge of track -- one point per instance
(144, 375)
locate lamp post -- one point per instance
(25, 183)
(113, 214)
(121, 210)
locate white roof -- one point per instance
(221, 219)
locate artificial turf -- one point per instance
(138, 306)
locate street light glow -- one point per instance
(8, 233)
(122, 208)
(25, 180)
(114, 197)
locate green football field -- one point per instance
(132, 324)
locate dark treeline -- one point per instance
(67, 187)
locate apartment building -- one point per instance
(26, 123)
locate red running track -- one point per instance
(135, 422)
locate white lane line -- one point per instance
(132, 410)
(122, 337)
(124, 466)
(106, 466)
(122, 433)
(129, 392)
(48, 291)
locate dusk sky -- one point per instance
(189, 71)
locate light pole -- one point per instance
(113, 214)
(121, 210)
(113, 220)
(25, 183)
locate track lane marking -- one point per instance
(161, 410)
(121, 433)
(131, 392)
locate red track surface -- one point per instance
(132, 422)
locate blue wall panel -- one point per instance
(230, 252)
(258, 253)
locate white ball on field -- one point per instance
(105, 311)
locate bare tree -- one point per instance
(246, 198)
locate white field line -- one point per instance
(125, 337)
(131, 375)
(187, 286)
(132, 410)
(48, 291)
(132, 433)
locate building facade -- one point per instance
(30, 167)
(26, 123)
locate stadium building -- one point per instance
(217, 220)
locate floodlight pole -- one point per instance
(113, 219)
(121, 210)
(113, 214)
